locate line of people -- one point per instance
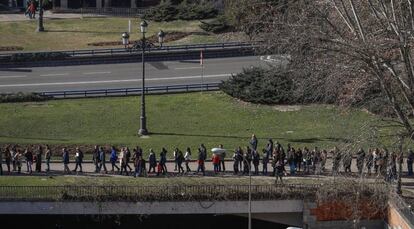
(245, 161)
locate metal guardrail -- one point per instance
(113, 11)
(131, 91)
(154, 193)
(404, 208)
(118, 51)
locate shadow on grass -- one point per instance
(200, 135)
(79, 31)
(314, 140)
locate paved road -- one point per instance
(120, 75)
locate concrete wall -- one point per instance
(85, 208)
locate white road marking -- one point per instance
(185, 68)
(56, 74)
(6, 77)
(95, 73)
(113, 81)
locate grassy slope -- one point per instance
(63, 34)
(178, 120)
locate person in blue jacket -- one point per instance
(114, 159)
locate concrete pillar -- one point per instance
(98, 4)
(133, 4)
(107, 4)
(64, 4)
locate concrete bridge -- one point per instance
(288, 204)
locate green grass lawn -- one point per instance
(64, 34)
(183, 120)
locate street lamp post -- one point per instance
(142, 45)
(143, 127)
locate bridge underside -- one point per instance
(279, 211)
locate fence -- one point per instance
(112, 11)
(131, 91)
(154, 193)
(118, 51)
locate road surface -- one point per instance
(103, 76)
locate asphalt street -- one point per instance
(102, 76)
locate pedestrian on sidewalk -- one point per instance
(128, 158)
(152, 159)
(265, 161)
(180, 159)
(222, 157)
(187, 158)
(256, 162)
(48, 157)
(18, 157)
(280, 171)
(13, 152)
(102, 158)
(216, 162)
(29, 159)
(113, 159)
(8, 159)
(360, 160)
(200, 160)
(253, 142)
(95, 158)
(410, 161)
(39, 153)
(163, 161)
(78, 159)
(65, 156)
(235, 162)
(1, 162)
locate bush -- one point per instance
(258, 85)
(22, 97)
(217, 25)
(168, 11)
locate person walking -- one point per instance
(324, 158)
(18, 157)
(48, 157)
(163, 161)
(128, 159)
(253, 142)
(235, 162)
(8, 159)
(29, 159)
(180, 159)
(222, 157)
(13, 152)
(38, 166)
(369, 161)
(65, 157)
(123, 161)
(360, 160)
(256, 162)
(200, 160)
(265, 161)
(299, 159)
(113, 159)
(216, 162)
(102, 158)
(1, 162)
(187, 158)
(152, 159)
(95, 158)
(280, 171)
(291, 160)
(78, 159)
(410, 161)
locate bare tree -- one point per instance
(345, 45)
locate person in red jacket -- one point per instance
(216, 162)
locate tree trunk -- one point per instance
(40, 27)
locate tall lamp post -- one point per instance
(142, 46)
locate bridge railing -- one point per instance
(154, 193)
(131, 91)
